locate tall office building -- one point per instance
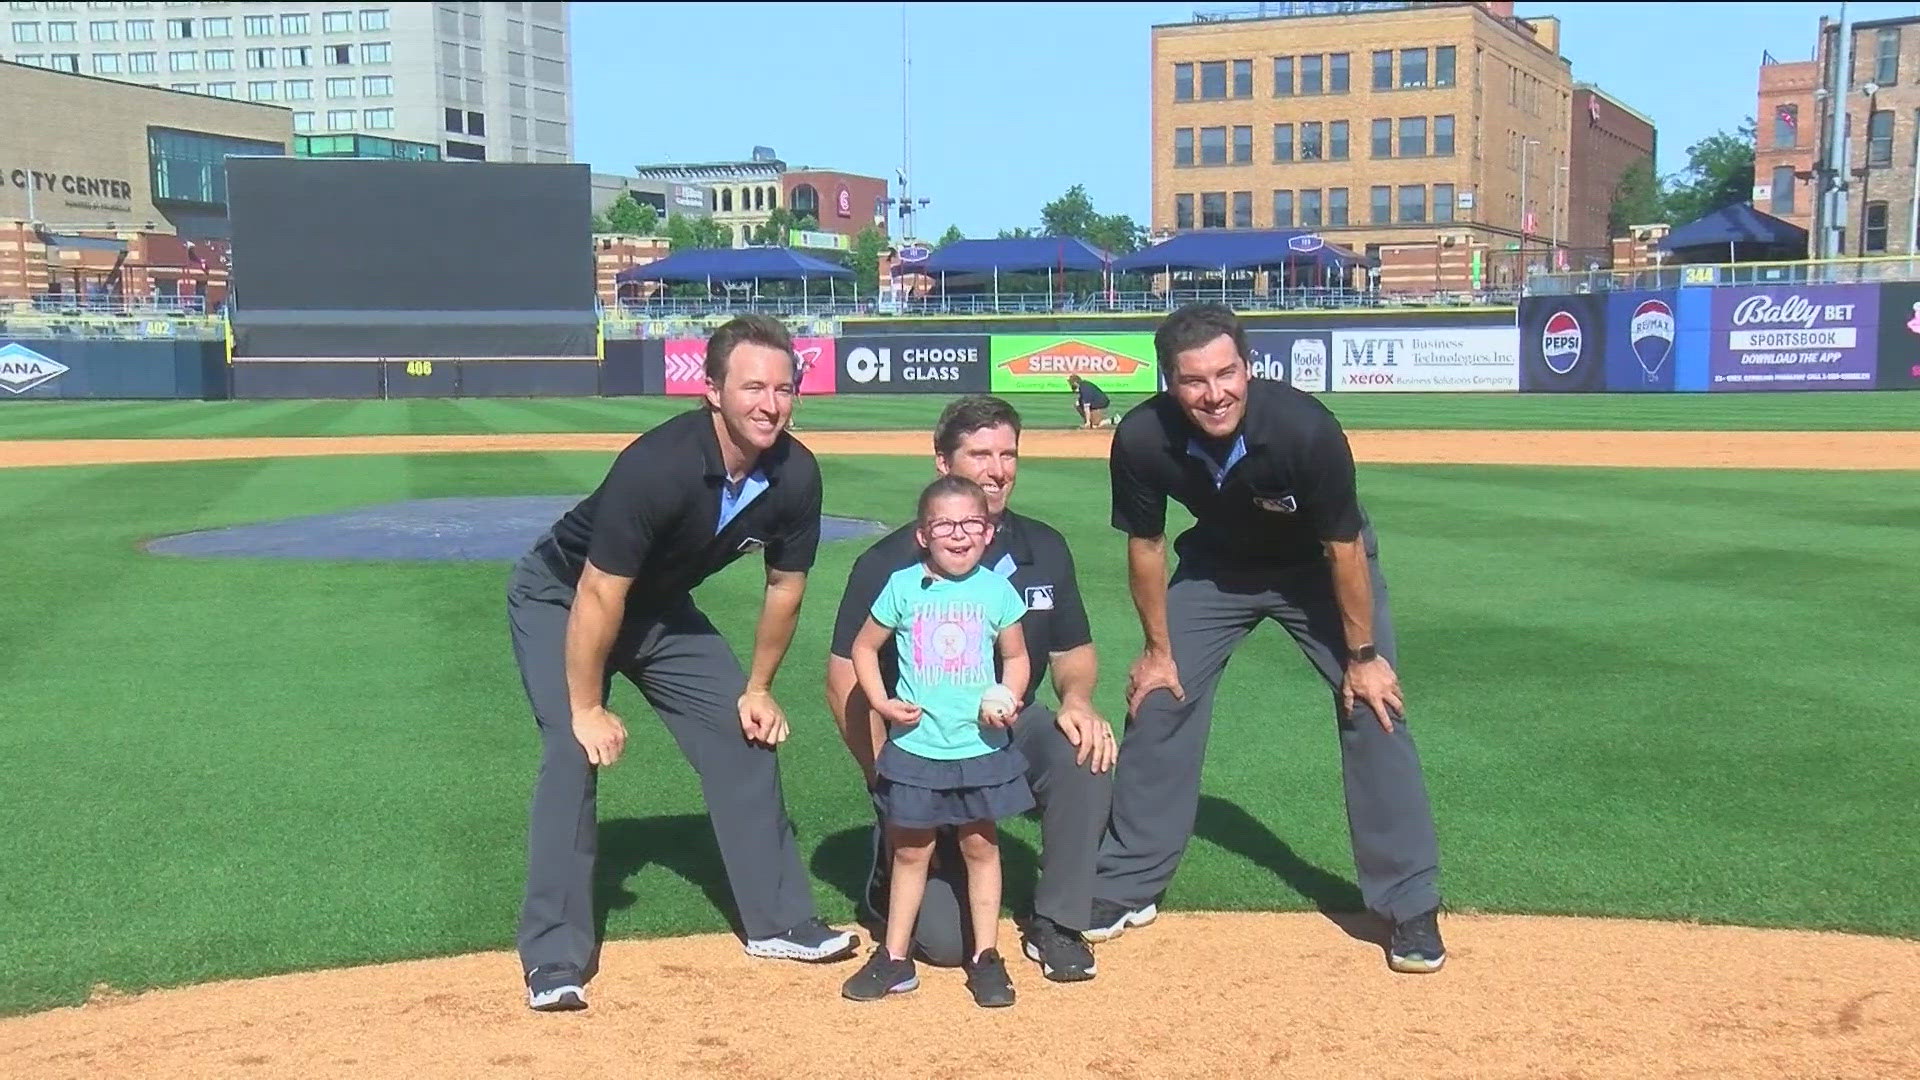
(460, 80)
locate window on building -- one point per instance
(1243, 209)
(1213, 87)
(470, 26)
(141, 63)
(466, 151)
(1183, 211)
(1786, 127)
(476, 123)
(139, 29)
(456, 121)
(1242, 145)
(26, 33)
(1243, 78)
(219, 59)
(550, 70)
(1337, 73)
(1413, 136)
(1283, 142)
(1443, 203)
(339, 88)
(188, 167)
(106, 63)
(1213, 209)
(377, 86)
(181, 87)
(1213, 146)
(1182, 146)
(1283, 76)
(549, 133)
(337, 55)
(1886, 56)
(296, 25)
(61, 33)
(1443, 66)
(1876, 233)
(299, 89)
(1312, 71)
(303, 121)
(297, 56)
(259, 59)
(1413, 68)
(258, 25)
(341, 119)
(516, 63)
(183, 61)
(1383, 70)
(1782, 194)
(1283, 209)
(67, 62)
(379, 52)
(517, 97)
(1311, 147)
(379, 119)
(1413, 204)
(1880, 138)
(1310, 217)
(1443, 136)
(1383, 138)
(30, 59)
(373, 21)
(1183, 82)
(261, 91)
(336, 22)
(216, 28)
(104, 31)
(1337, 141)
(1336, 206)
(221, 89)
(1381, 210)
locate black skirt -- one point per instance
(914, 792)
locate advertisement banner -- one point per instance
(1899, 336)
(914, 364)
(1298, 357)
(1396, 360)
(1035, 363)
(686, 366)
(1563, 344)
(1640, 335)
(1795, 337)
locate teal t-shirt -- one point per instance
(945, 630)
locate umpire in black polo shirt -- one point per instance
(1069, 753)
(1279, 534)
(608, 589)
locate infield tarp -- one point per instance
(410, 259)
(1899, 336)
(1040, 363)
(1563, 344)
(144, 370)
(1298, 357)
(914, 364)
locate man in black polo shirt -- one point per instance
(1089, 401)
(608, 589)
(1279, 534)
(1069, 754)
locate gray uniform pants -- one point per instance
(687, 673)
(1156, 791)
(1073, 803)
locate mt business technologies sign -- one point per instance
(1392, 359)
(1037, 363)
(1795, 337)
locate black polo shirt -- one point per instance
(656, 515)
(1029, 553)
(1267, 497)
(1092, 396)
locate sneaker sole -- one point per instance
(563, 999)
(1033, 954)
(836, 948)
(902, 988)
(1415, 965)
(993, 1004)
(1143, 917)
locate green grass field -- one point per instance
(1830, 411)
(1668, 694)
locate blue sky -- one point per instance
(1014, 103)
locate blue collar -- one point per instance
(735, 497)
(1215, 468)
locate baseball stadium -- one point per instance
(270, 757)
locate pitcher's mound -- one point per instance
(499, 528)
(1190, 996)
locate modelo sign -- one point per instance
(1038, 363)
(1394, 360)
(686, 366)
(1795, 337)
(913, 364)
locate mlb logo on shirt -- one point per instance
(1040, 598)
(751, 544)
(1285, 504)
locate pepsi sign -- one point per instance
(1560, 342)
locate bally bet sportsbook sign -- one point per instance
(1041, 362)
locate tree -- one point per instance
(776, 232)
(864, 257)
(1719, 173)
(1020, 232)
(1072, 214)
(629, 216)
(1637, 200)
(685, 232)
(953, 233)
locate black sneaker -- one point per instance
(1416, 947)
(556, 988)
(812, 942)
(1062, 954)
(1111, 919)
(879, 976)
(988, 981)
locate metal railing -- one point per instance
(1800, 272)
(51, 317)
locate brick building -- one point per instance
(1881, 129)
(1787, 138)
(1607, 138)
(742, 195)
(1374, 124)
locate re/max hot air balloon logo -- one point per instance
(1560, 342)
(1650, 332)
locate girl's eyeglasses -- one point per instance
(946, 529)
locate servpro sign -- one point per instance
(1041, 363)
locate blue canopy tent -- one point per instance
(1027, 254)
(755, 264)
(1735, 229)
(1227, 250)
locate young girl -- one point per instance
(948, 758)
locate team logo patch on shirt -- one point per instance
(1285, 504)
(1040, 598)
(751, 544)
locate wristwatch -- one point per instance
(1365, 654)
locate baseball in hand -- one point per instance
(999, 702)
